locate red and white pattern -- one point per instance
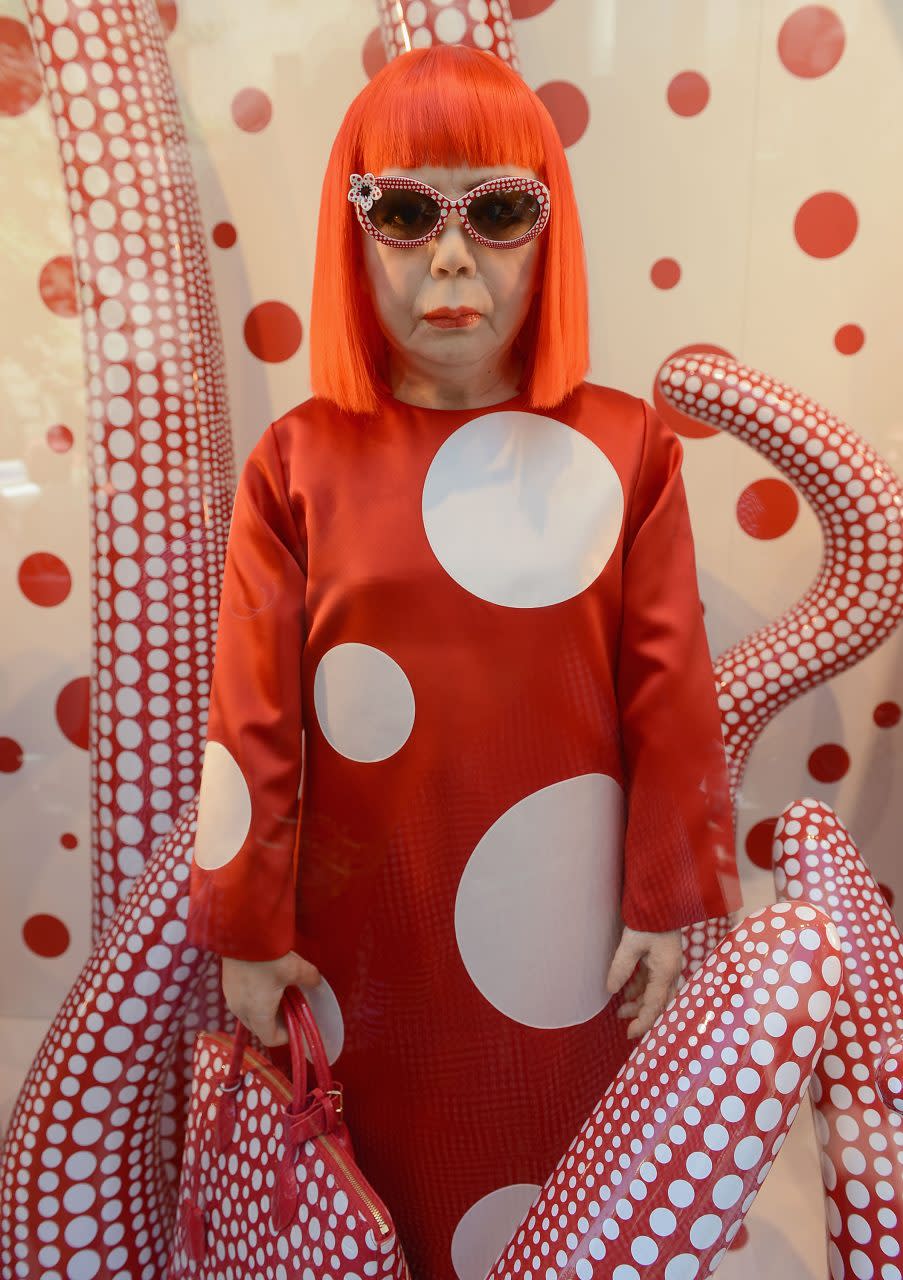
(416, 24)
(660, 1177)
(859, 1133)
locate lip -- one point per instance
(450, 313)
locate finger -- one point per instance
(654, 999)
(623, 963)
(628, 1008)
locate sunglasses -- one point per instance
(501, 213)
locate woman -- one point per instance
(469, 574)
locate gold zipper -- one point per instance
(264, 1067)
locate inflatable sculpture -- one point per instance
(855, 1093)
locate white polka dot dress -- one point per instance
(486, 624)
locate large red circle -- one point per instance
(11, 755)
(829, 762)
(252, 110)
(72, 711)
(45, 935)
(826, 224)
(56, 286)
(273, 331)
(44, 579)
(688, 93)
(767, 508)
(811, 41)
(568, 107)
(759, 840)
(20, 74)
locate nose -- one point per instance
(452, 249)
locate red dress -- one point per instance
(488, 624)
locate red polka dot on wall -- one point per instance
(20, 74)
(11, 755)
(829, 762)
(529, 8)
(59, 438)
(886, 715)
(665, 273)
(45, 935)
(888, 893)
(68, 840)
(688, 93)
(273, 331)
(679, 422)
(56, 285)
(568, 108)
(811, 41)
(72, 711)
(44, 579)
(767, 508)
(169, 15)
(826, 224)
(373, 54)
(224, 235)
(252, 110)
(759, 840)
(849, 339)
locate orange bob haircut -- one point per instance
(452, 106)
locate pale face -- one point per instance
(452, 270)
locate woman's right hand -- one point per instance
(253, 991)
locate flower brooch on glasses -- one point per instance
(364, 190)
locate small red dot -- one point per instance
(759, 840)
(568, 107)
(20, 72)
(44, 579)
(11, 755)
(849, 339)
(45, 935)
(59, 438)
(72, 711)
(811, 41)
(252, 110)
(888, 892)
(826, 224)
(767, 508)
(688, 93)
(886, 714)
(56, 285)
(829, 762)
(665, 273)
(273, 331)
(224, 235)
(68, 840)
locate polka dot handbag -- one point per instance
(269, 1185)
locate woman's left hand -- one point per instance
(657, 958)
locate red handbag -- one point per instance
(269, 1183)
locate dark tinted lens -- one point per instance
(404, 215)
(504, 215)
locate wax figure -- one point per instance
(464, 761)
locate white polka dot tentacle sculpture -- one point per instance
(101, 1138)
(856, 1096)
(661, 1175)
(853, 604)
(416, 24)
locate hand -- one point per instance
(657, 958)
(253, 991)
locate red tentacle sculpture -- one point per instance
(856, 1086)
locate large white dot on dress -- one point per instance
(328, 1017)
(224, 808)
(364, 701)
(487, 1227)
(521, 509)
(537, 912)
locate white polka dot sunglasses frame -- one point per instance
(366, 189)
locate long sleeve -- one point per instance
(242, 886)
(679, 853)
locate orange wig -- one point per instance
(452, 106)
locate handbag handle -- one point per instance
(300, 1024)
